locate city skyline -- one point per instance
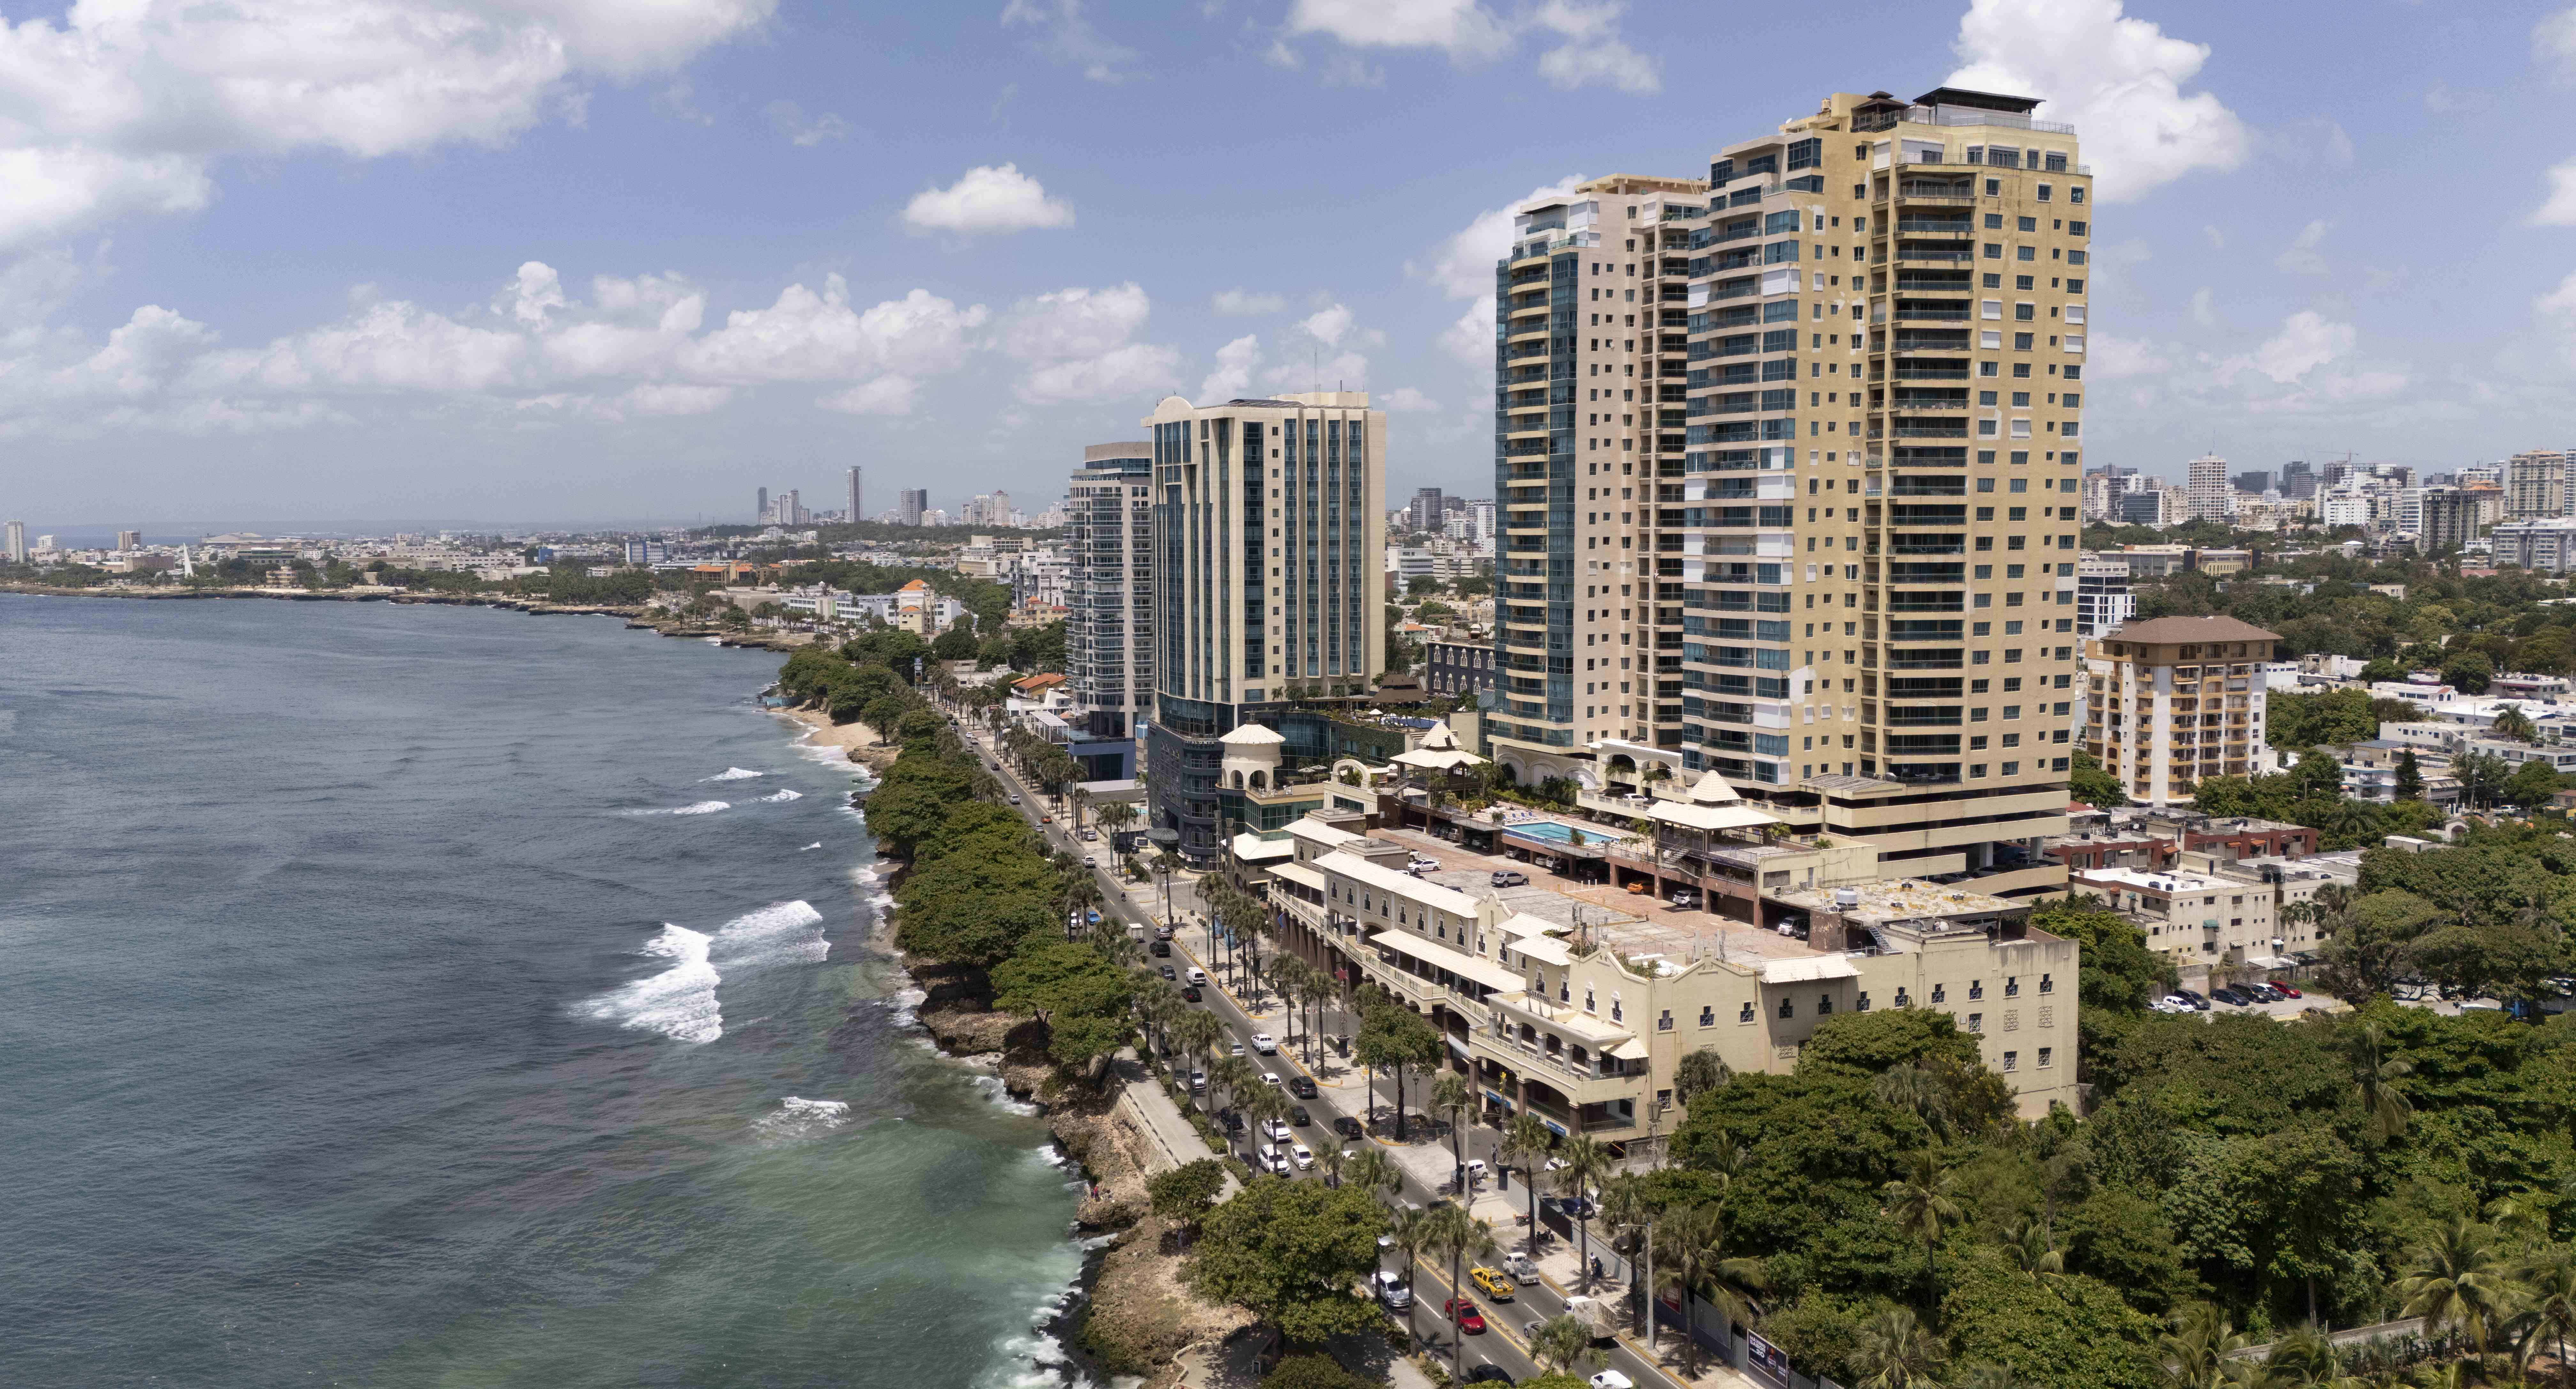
(230, 329)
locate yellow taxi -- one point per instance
(1496, 1283)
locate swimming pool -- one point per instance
(1559, 832)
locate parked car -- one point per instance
(1190, 992)
(1420, 864)
(1297, 1115)
(2229, 996)
(1348, 1127)
(1391, 1290)
(1162, 933)
(1504, 877)
(1684, 899)
(1091, 836)
(1496, 1283)
(2194, 998)
(2282, 989)
(1266, 1044)
(1463, 1310)
(1303, 1087)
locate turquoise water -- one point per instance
(439, 996)
(1555, 830)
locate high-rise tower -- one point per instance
(855, 513)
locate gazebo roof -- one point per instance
(1439, 752)
(1712, 790)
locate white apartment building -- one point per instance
(2193, 918)
(2102, 597)
(2210, 494)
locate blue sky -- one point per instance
(294, 263)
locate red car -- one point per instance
(1463, 1311)
(2286, 990)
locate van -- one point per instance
(1198, 976)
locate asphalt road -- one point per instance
(1502, 1343)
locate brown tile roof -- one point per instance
(2165, 631)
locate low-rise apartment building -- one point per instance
(2175, 700)
(2196, 918)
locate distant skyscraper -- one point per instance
(1109, 629)
(17, 542)
(854, 511)
(129, 541)
(2298, 481)
(1427, 512)
(2256, 483)
(791, 508)
(760, 514)
(2535, 484)
(913, 503)
(2209, 488)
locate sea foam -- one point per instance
(784, 795)
(732, 774)
(782, 932)
(679, 1002)
(797, 1118)
(697, 808)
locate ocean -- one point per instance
(444, 996)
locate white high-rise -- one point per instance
(17, 542)
(856, 512)
(2210, 499)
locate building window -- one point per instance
(1940, 993)
(1708, 1016)
(2047, 985)
(1746, 1015)
(1665, 1023)
(1901, 1000)
(2012, 1059)
(1976, 989)
(1976, 1022)
(1788, 1009)
(1824, 1004)
(1863, 1005)
(2044, 1056)
(2012, 986)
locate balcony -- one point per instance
(1581, 1084)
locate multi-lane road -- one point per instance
(1504, 1343)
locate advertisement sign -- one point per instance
(1766, 1360)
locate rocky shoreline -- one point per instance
(1131, 1312)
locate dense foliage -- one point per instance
(1294, 1254)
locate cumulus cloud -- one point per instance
(1235, 363)
(1067, 35)
(988, 199)
(2559, 208)
(1328, 326)
(1471, 338)
(635, 349)
(1588, 48)
(2114, 358)
(2118, 79)
(1407, 399)
(2301, 258)
(124, 108)
(1463, 266)
(2557, 310)
(1244, 301)
(1080, 345)
(2307, 341)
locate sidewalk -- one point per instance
(1144, 1101)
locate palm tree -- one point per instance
(1412, 1230)
(1374, 1169)
(1920, 1203)
(1165, 864)
(1564, 1342)
(2375, 1083)
(2548, 1303)
(2196, 1352)
(2458, 1280)
(1698, 1073)
(1328, 1160)
(1451, 1095)
(1587, 1165)
(2027, 1242)
(1691, 1257)
(1918, 1092)
(1893, 1351)
(1526, 1138)
(1462, 1237)
(1197, 1033)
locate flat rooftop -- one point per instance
(2158, 882)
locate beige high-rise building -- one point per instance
(2535, 485)
(1872, 519)
(2177, 700)
(1268, 559)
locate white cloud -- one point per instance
(2118, 79)
(2301, 258)
(1407, 399)
(124, 108)
(1461, 28)
(1346, 371)
(1328, 326)
(1463, 267)
(663, 398)
(2109, 358)
(2553, 44)
(1471, 338)
(2307, 341)
(2217, 238)
(804, 132)
(1079, 346)
(1593, 51)
(537, 291)
(886, 395)
(2557, 309)
(2204, 307)
(1245, 301)
(988, 199)
(1235, 363)
(1068, 37)
(2559, 208)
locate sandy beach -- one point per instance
(859, 740)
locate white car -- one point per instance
(1612, 1379)
(1475, 1169)
(1420, 864)
(1198, 1082)
(1264, 1043)
(1235, 1050)
(1272, 1161)
(1276, 1130)
(1302, 1155)
(1267, 1078)
(1199, 976)
(1520, 1268)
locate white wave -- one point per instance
(680, 1002)
(797, 1118)
(1000, 1095)
(779, 933)
(732, 774)
(817, 844)
(784, 795)
(698, 808)
(904, 1005)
